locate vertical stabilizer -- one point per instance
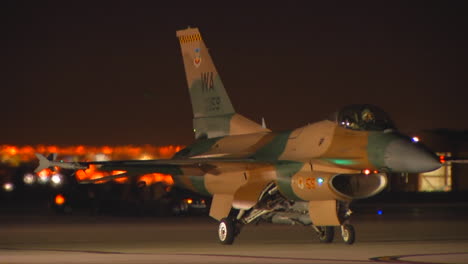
(213, 113)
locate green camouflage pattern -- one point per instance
(235, 159)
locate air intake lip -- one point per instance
(358, 186)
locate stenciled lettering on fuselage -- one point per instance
(308, 183)
(207, 82)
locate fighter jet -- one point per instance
(308, 175)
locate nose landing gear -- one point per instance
(326, 234)
(348, 234)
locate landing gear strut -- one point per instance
(348, 234)
(325, 233)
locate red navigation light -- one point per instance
(442, 159)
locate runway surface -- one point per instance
(86, 239)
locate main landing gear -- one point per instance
(228, 229)
(231, 226)
(326, 234)
(273, 207)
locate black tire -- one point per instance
(226, 231)
(348, 234)
(327, 234)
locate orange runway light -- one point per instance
(14, 155)
(12, 150)
(59, 199)
(156, 177)
(81, 152)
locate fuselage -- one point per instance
(322, 160)
(323, 141)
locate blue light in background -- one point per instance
(379, 212)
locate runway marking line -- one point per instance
(383, 259)
(398, 259)
(65, 250)
(189, 254)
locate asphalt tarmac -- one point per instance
(401, 238)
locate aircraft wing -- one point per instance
(187, 166)
(192, 166)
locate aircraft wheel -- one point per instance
(327, 233)
(226, 231)
(348, 234)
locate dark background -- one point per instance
(110, 72)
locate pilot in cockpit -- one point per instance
(363, 117)
(367, 116)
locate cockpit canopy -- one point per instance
(363, 117)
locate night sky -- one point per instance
(111, 72)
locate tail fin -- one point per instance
(214, 115)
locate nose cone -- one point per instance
(402, 155)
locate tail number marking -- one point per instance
(213, 104)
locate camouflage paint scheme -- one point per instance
(295, 160)
(235, 159)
